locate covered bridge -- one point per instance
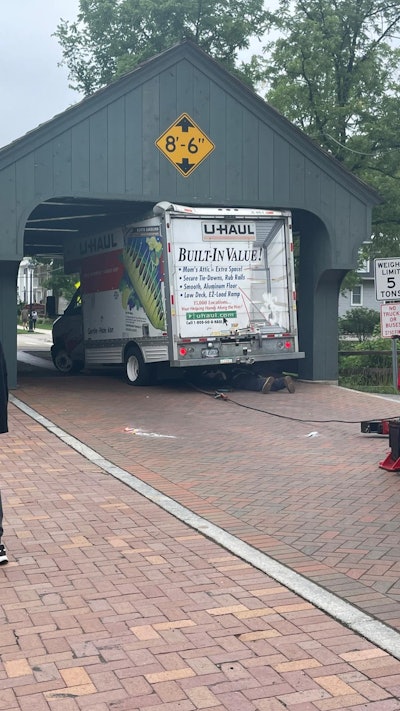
(98, 165)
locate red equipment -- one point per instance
(392, 462)
(375, 426)
(386, 427)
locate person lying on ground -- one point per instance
(248, 379)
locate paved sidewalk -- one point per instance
(290, 475)
(111, 604)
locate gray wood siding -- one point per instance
(133, 142)
(62, 159)
(250, 157)
(80, 163)
(280, 182)
(8, 213)
(216, 165)
(342, 215)
(98, 154)
(116, 155)
(327, 189)
(312, 183)
(44, 173)
(265, 165)
(233, 158)
(151, 168)
(296, 178)
(107, 148)
(24, 186)
(368, 298)
(104, 148)
(167, 92)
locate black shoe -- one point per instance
(289, 383)
(267, 385)
(3, 555)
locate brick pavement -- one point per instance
(319, 504)
(111, 604)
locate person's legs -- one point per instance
(264, 384)
(283, 382)
(3, 554)
(247, 380)
(268, 385)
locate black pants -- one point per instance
(253, 381)
(1, 518)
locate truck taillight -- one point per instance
(288, 345)
(182, 351)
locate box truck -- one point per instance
(183, 286)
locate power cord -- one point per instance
(221, 395)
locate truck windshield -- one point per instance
(76, 302)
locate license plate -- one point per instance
(210, 353)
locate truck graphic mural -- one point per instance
(140, 285)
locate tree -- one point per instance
(59, 283)
(359, 322)
(111, 37)
(334, 72)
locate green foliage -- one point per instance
(371, 370)
(61, 284)
(351, 280)
(334, 72)
(110, 38)
(374, 346)
(359, 322)
(331, 69)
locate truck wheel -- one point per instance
(137, 371)
(64, 363)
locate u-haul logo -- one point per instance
(228, 230)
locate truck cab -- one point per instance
(67, 351)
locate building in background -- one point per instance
(30, 280)
(363, 293)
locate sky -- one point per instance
(33, 88)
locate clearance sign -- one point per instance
(185, 145)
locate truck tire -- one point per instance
(136, 370)
(64, 363)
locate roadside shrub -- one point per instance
(372, 370)
(359, 322)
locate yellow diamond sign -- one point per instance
(185, 144)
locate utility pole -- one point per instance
(30, 299)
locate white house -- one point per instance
(363, 294)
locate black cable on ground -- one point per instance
(222, 395)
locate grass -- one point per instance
(46, 324)
(369, 381)
(20, 330)
(378, 389)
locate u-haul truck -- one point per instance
(184, 286)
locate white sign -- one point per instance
(222, 285)
(390, 320)
(387, 279)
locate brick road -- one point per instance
(111, 603)
(319, 504)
